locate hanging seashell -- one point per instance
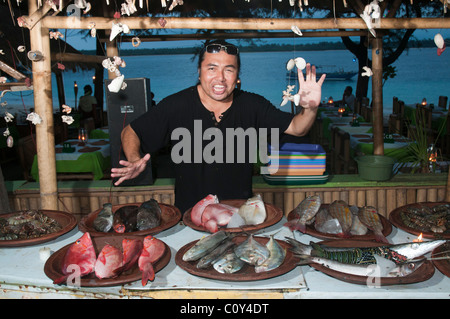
(2, 79)
(117, 15)
(117, 72)
(115, 30)
(135, 41)
(35, 56)
(297, 99)
(284, 102)
(290, 64)
(21, 48)
(93, 32)
(440, 50)
(88, 8)
(162, 22)
(296, 30)
(81, 4)
(300, 63)
(439, 40)
(126, 29)
(116, 84)
(124, 86)
(60, 66)
(368, 72)
(10, 141)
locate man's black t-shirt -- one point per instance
(207, 154)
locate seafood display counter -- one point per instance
(23, 276)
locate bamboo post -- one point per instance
(42, 82)
(377, 96)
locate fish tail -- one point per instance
(148, 273)
(381, 238)
(346, 234)
(298, 247)
(296, 225)
(60, 280)
(303, 259)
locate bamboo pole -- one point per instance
(447, 189)
(42, 81)
(377, 96)
(136, 23)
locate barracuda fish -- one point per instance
(104, 220)
(382, 268)
(205, 246)
(252, 252)
(213, 256)
(341, 211)
(276, 258)
(229, 264)
(304, 213)
(368, 215)
(366, 255)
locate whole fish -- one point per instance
(228, 264)
(80, 254)
(304, 213)
(148, 215)
(197, 210)
(276, 257)
(252, 252)
(108, 261)
(132, 249)
(152, 251)
(214, 255)
(324, 223)
(205, 246)
(104, 220)
(253, 211)
(399, 254)
(341, 211)
(358, 228)
(380, 269)
(217, 214)
(125, 219)
(368, 215)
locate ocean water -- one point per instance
(420, 73)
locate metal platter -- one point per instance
(424, 272)
(274, 215)
(442, 265)
(247, 273)
(54, 263)
(66, 220)
(310, 230)
(396, 220)
(170, 217)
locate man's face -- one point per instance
(218, 75)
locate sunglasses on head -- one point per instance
(215, 48)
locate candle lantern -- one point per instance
(82, 136)
(432, 157)
(424, 102)
(330, 101)
(341, 110)
(75, 90)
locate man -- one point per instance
(348, 98)
(208, 111)
(87, 103)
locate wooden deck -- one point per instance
(83, 197)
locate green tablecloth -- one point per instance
(98, 133)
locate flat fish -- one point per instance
(104, 220)
(125, 219)
(305, 213)
(253, 211)
(368, 215)
(252, 252)
(341, 211)
(276, 257)
(148, 215)
(229, 264)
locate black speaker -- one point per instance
(124, 107)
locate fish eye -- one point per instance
(78, 241)
(415, 246)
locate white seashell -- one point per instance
(88, 8)
(135, 41)
(297, 99)
(290, 64)
(106, 63)
(117, 72)
(21, 48)
(80, 4)
(296, 30)
(368, 72)
(126, 29)
(439, 40)
(112, 68)
(2, 79)
(300, 63)
(124, 86)
(115, 30)
(285, 100)
(116, 84)
(10, 141)
(93, 32)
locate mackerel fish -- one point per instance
(229, 264)
(276, 258)
(304, 213)
(252, 252)
(205, 246)
(368, 215)
(214, 255)
(399, 254)
(341, 211)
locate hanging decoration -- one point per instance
(34, 118)
(296, 30)
(128, 7)
(367, 71)
(440, 43)
(118, 28)
(113, 66)
(93, 31)
(371, 16)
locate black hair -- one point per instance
(221, 42)
(87, 88)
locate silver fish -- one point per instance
(252, 252)
(104, 220)
(214, 255)
(304, 213)
(148, 215)
(229, 264)
(205, 246)
(276, 258)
